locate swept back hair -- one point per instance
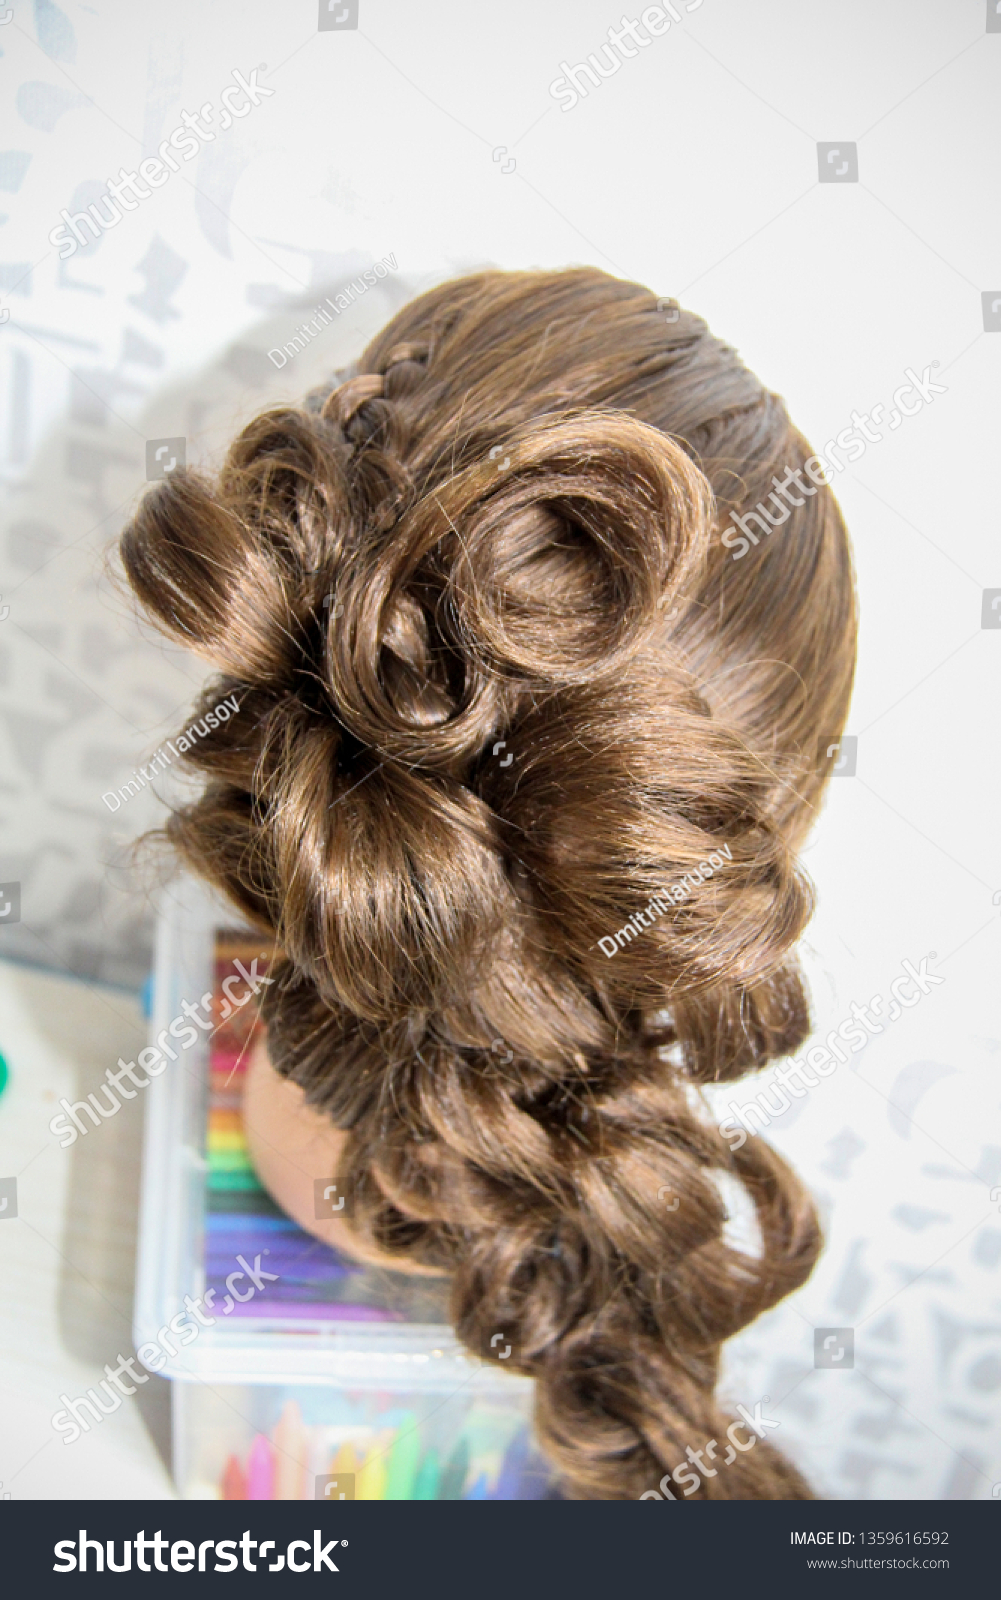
(501, 684)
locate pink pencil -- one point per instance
(260, 1470)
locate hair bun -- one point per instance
(519, 766)
(562, 545)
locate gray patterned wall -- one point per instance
(818, 182)
(93, 370)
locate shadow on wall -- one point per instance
(85, 694)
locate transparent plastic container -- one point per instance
(330, 1353)
(264, 1441)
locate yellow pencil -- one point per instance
(345, 1459)
(371, 1484)
(344, 1463)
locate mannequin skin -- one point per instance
(291, 1145)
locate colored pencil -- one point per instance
(513, 1466)
(388, 1465)
(404, 1460)
(489, 1457)
(234, 1484)
(428, 1478)
(260, 1470)
(453, 1479)
(346, 1460)
(290, 1450)
(371, 1480)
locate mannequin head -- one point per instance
(502, 686)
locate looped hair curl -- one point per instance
(516, 500)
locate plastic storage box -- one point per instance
(297, 1373)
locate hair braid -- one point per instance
(512, 499)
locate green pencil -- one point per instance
(404, 1459)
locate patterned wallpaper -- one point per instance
(95, 373)
(369, 139)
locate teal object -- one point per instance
(453, 1479)
(146, 996)
(4, 1074)
(426, 1486)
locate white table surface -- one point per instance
(67, 1259)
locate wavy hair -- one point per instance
(500, 685)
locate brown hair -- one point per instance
(539, 693)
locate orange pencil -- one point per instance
(234, 1482)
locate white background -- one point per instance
(694, 170)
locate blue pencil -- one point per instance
(513, 1467)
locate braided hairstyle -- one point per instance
(501, 684)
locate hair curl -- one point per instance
(499, 533)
